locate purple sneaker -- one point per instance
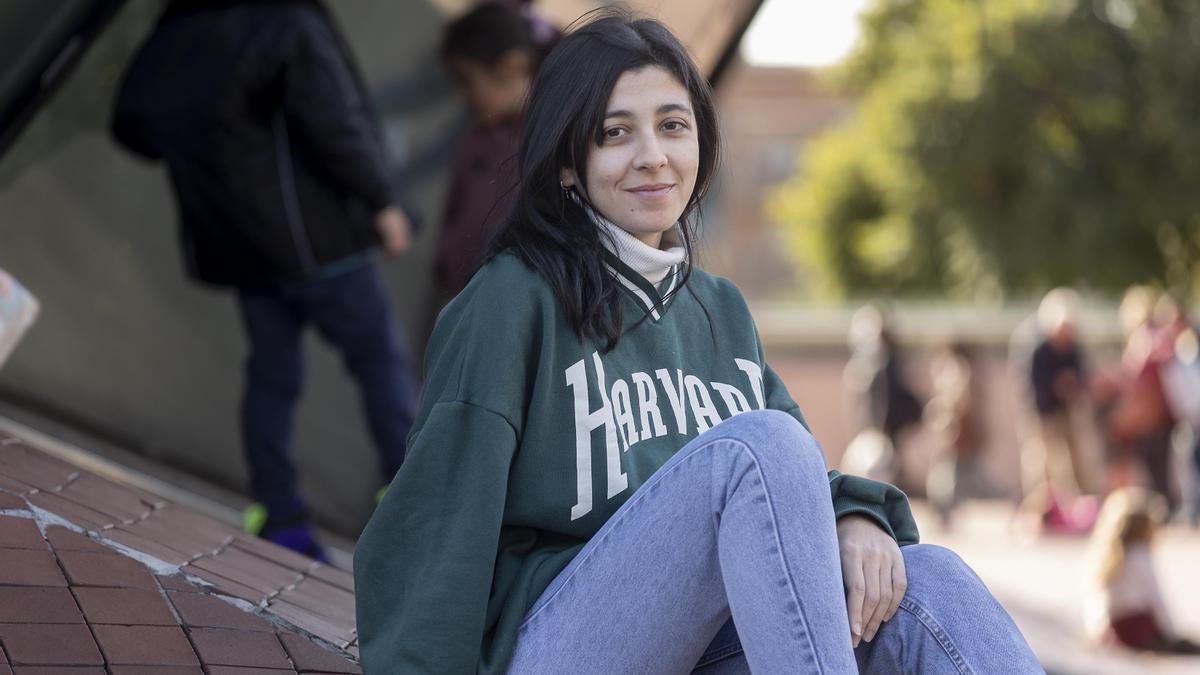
(298, 538)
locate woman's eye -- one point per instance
(674, 125)
(613, 132)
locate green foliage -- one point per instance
(1002, 147)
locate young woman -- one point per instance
(572, 500)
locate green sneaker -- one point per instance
(254, 518)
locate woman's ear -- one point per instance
(567, 178)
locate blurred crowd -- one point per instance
(1110, 450)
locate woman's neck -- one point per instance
(652, 262)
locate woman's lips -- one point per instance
(652, 192)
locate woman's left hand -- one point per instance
(873, 572)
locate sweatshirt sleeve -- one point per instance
(424, 564)
(883, 503)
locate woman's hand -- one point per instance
(873, 572)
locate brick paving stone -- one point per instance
(138, 542)
(227, 586)
(221, 647)
(50, 644)
(20, 533)
(105, 569)
(178, 583)
(70, 511)
(62, 539)
(153, 670)
(241, 670)
(201, 610)
(124, 606)
(57, 670)
(274, 552)
(105, 497)
(249, 570)
(333, 577)
(9, 484)
(178, 527)
(145, 646)
(32, 467)
(23, 567)
(31, 604)
(323, 600)
(326, 629)
(12, 502)
(174, 536)
(14, 487)
(308, 657)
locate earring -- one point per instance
(566, 190)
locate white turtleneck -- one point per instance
(652, 263)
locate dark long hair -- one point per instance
(552, 231)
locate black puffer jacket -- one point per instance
(274, 154)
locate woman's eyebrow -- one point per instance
(673, 107)
(662, 109)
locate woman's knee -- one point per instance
(936, 567)
(776, 437)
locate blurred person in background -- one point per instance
(491, 54)
(1125, 603)
(1143, 422)
(283, 190)
(1181, 382)
(881, 398)
(953, 414)
(1055, 467)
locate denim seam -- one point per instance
(939, 634)
(709, 658)
(791, 583)
(645, 490)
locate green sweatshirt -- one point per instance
(528, 439)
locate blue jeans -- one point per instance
(738, 527)
(352, 312)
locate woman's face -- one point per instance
(641, 174)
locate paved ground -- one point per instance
(1040, 581)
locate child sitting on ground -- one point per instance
(1125, 605)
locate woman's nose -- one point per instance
(650, 154)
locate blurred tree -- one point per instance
(1005, 146)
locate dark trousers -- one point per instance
(1154, 450)
(351, 312)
